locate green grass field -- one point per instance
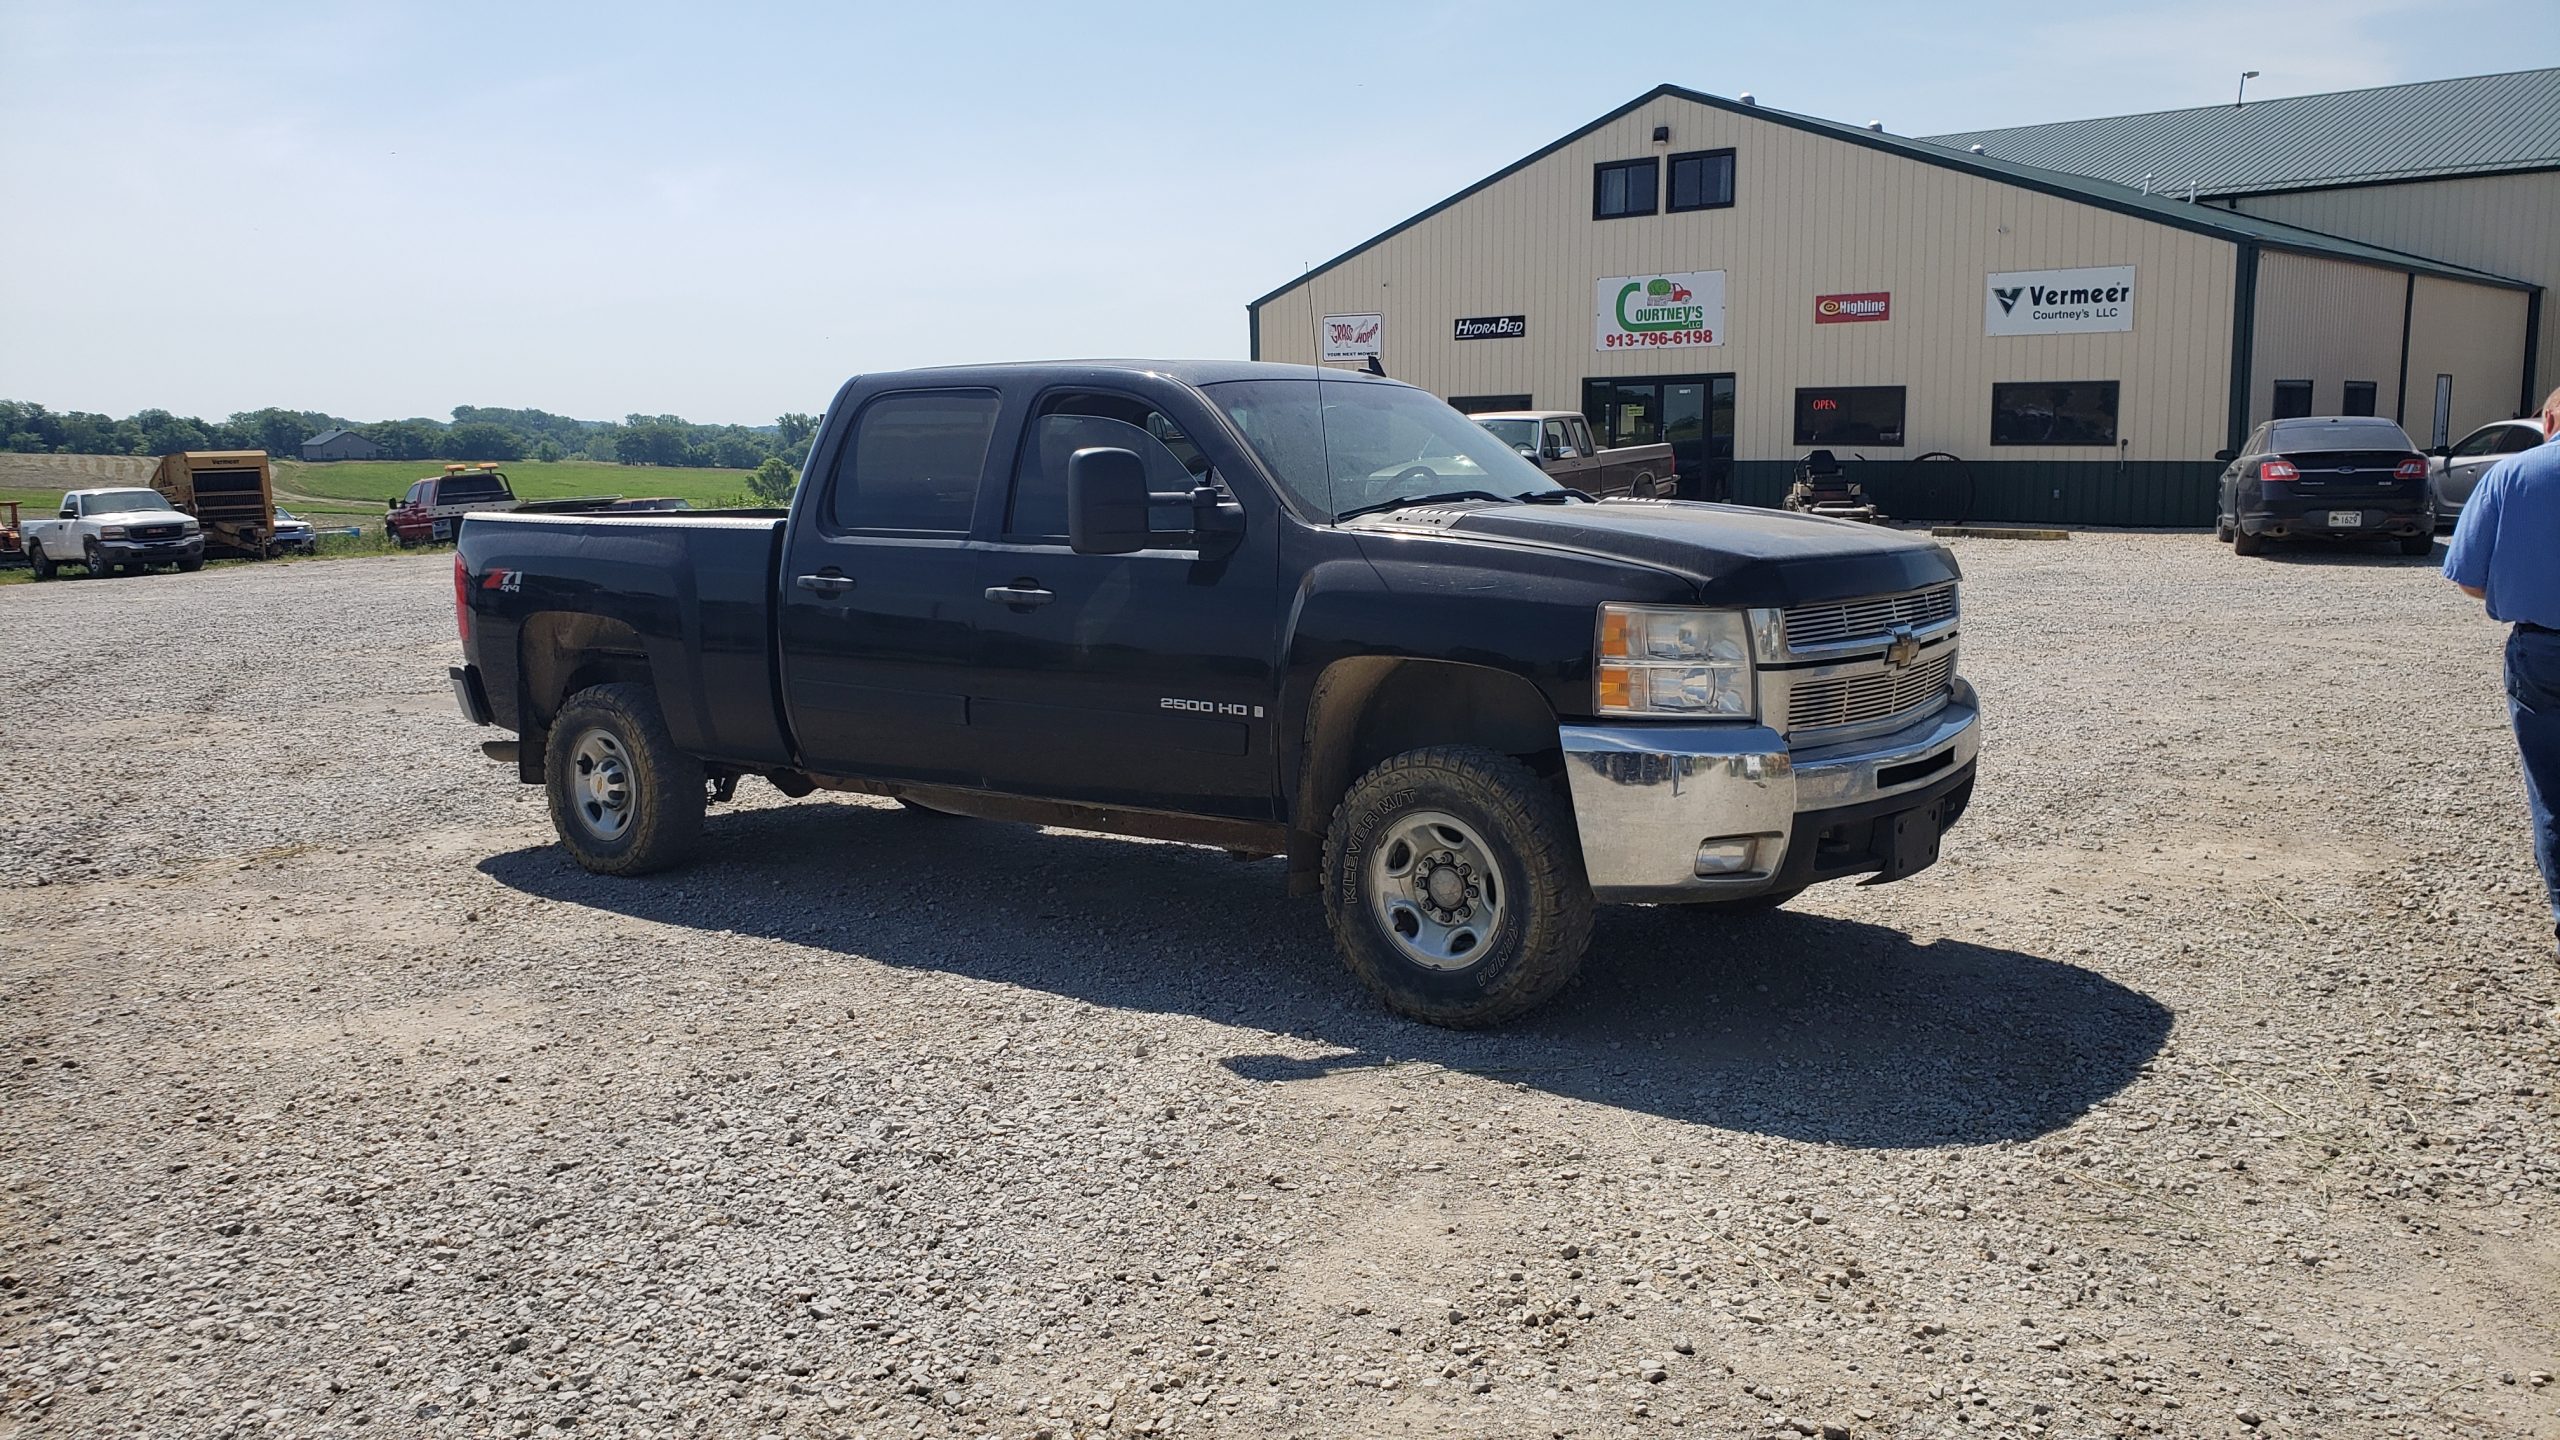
(362, 485)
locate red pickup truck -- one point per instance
(433, 508)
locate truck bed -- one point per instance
(695, 591)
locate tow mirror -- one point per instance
(69, 514)
(1106, 502)
(2226, 456)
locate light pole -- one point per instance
(2245, 77)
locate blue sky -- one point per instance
(719, 212)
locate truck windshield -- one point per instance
(1518, 434)
(1357, 444)
(117, 502)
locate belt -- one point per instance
(2530, 628)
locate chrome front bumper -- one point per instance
(1647, 797)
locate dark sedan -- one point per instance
(2337, 477)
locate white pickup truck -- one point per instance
(127, 528)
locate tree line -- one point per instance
(476, 432)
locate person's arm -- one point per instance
(2466, 560)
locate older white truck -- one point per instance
(125, 528)
(1559, 442)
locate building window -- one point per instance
(2293, 400)
(1483, 404)
(1849, 415)
(2045, 412)
(2358, 399)
(1701, 180)
(1624, 187)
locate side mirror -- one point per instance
(1527, 453)
(2226, 456)
(2441, 452)
(1106, 502)
(69, 514)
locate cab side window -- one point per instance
(1068, 423)
(1558, 442)
(914, 463)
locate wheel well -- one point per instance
(1367, 709)
(563, 653)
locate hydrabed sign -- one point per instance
(1644, 312)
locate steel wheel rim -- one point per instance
(600, 788)
(1435, 890)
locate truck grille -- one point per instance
(1849, 621)
(1864, 699)
(157, 532)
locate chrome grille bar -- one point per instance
(1865, 699)
(1850, 621)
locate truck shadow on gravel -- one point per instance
(1790, 1024)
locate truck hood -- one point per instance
(1737, 555)
(144, 517)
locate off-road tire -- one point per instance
(2244, 543)
(667, 789)
(38, 561)
(1537, 946)
(2423, 543)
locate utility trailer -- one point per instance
(231, 493)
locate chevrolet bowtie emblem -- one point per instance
(1904, 649)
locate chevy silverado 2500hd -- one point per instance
(1270, 608)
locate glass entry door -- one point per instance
(1691, 413)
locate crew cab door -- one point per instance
(877, 603)
(1147, 680)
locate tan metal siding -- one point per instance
(2328, 322)
(2505, 224)
(2474, 334)
(1812, 216)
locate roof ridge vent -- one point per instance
(1876, 125)
(1747, 98)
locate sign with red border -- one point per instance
(1865, 306)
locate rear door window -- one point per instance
(914, 463)
(462, 489)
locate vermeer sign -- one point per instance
(1352, 337)
(2058, 302)
(1636, 312)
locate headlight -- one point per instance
(1662, 660)
(110, 532)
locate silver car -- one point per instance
(2453, 471)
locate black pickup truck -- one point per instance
(1274, 609)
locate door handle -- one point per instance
(1024, 596)
(825, 584)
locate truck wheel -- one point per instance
(2222, 530)
(625, 800)
(189, 567)
(1454, 887)
(39, 561)
(2244, 543)
(89, 557)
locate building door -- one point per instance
(1693, 414)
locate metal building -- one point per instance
(2465, 170)
(1749, 284)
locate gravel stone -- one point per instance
(2208, 1077)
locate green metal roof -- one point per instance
(2105, 194)
(2479, 124)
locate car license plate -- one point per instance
(2346, 519)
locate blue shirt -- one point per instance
(2508, 540)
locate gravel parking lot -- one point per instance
(2204, 1089)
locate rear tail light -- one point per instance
(461, 599)
(2278, 470)
(2413, 468)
